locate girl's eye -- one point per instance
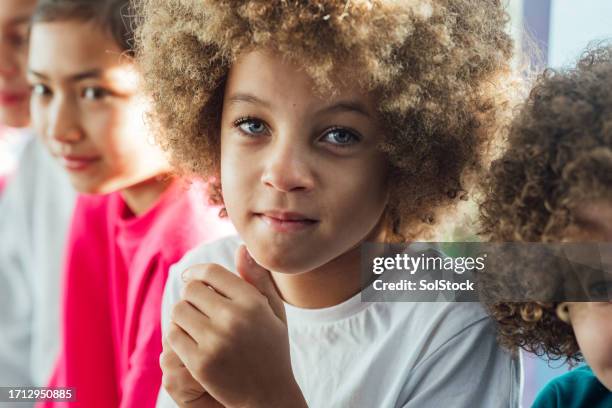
(340, 137)
(253, 127)
(40, 90)
(95, 93)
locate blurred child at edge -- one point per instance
(554, 184)
(35, 209)
(133, 219)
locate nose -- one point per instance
(8, 65)
(288, 168)
(62, 125)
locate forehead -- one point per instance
(15, 11)
(270, 76)
(69, 47)
(594, 218)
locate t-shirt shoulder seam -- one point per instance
(484, 319)
(202, 252)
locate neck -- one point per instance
(142, 196)
(328, 285)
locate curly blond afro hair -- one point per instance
(436, 64)
(559, 156)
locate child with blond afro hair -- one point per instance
(322, 125)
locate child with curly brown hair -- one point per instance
(554, 184)
(326, 124)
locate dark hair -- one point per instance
(559, 155)
(114, 16)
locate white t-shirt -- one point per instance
(383, 354)
(35, 212)
(12, 143)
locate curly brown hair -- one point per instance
(559, 156)
(437, 64)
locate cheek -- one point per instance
(102, 134)
(594, 335)
(358, 196)
(39, 118)
(238, 180)
(361, 187)
(115, 133)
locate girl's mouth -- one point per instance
(284, 221)
(8, 98)
(77, 163)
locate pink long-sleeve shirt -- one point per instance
(3, 178)
(116, 269)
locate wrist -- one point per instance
(290, 396)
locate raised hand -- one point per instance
(231, 335)
(180, 384)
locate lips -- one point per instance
(76, 163)
(286, 221)
(12, 97)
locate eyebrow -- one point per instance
(347, 106)
(342, 106)
(94, 73)
(241, 97)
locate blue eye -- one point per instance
(250, 126)
(340, 137)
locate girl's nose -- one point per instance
(287, 169)
(62, 125)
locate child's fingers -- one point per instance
(203, 298)
(181, 342)
(179, 383)
(168, 357)
(220, 279)
(191, 320)
(260, 278)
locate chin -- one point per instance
(89, 188)
(280, 260)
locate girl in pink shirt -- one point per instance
(135, 219)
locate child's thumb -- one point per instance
(260, 277)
